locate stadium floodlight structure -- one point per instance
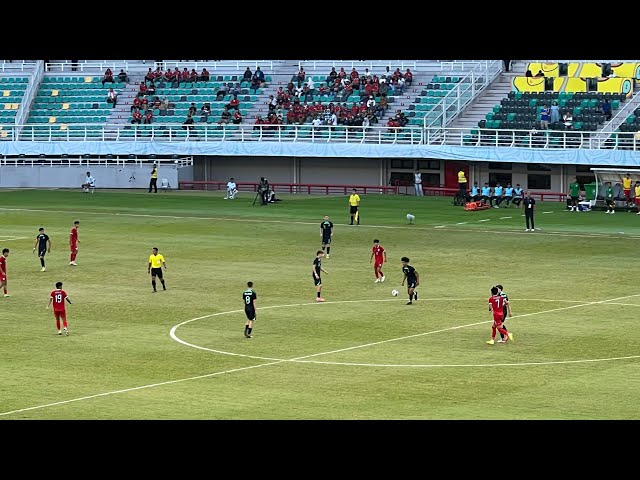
(613, 175)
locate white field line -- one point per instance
(302, 359)
(361, 226)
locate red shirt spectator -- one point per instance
(108, 76)
(137, 103)
(204, 76)
(342, 73)
(184, 75)
(408, 77)
(137, 117)
(354, 74)
(144, 102)
(148, 117)
(143, 89)
(193, 76)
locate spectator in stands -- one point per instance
(112, 97)
(398, 85)
(193, 75)
(255, 84)
(568, 119)
(205, 109)
(237, 117)
(142, 90)
(156, 102)
(150, 76)
(144, 103)
(222, 91)
(247, 75)
(168, 76)
(365, 123)
(312, 85)
(184, 75)
(234, 103)
(528, 73)
(225, 117)
(192, 109)
(555, 113)
(371, 103)
(545, 115)
(301, 75)
(235, 90)
(136, 116)
(204, 75)
(137, 104)
(272, 103)
(176, 77)
(606, 108)
(259, 74)
(148, 117)
(164, 104)
(108, 76)
(332, 76)
(123, 77)
(188, 123)
(259, 121)
(151, 88)
(383, 103)
(408, 78)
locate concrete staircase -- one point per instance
(119, 116)
(492, 96)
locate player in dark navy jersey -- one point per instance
(317, 268)
(42, 246)
(326, 232)
(249, 296)
(412, 278)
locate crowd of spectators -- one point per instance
(294, 104)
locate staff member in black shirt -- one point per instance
(529, 206)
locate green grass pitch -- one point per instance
(363, 354)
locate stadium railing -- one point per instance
(278, 187)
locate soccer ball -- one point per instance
(394, 292)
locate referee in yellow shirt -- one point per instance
(354, 203)
(156, 262)
(636, 200)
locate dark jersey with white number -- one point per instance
(249, 296)
(410, 272)
(317, 265)
(327, 228)
(42, 241)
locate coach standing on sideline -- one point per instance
(153, 182)
(529, 206)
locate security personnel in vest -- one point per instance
(462, 183)
(153, 183)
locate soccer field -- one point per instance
(363, 354)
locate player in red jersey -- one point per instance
(73, 242)
(3, 270)
(380, 255)
(58, 297)
(496, 304)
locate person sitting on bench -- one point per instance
(89, 184)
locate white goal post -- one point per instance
(615, 176)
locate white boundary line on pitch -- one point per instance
(8, 238)
(392, 227)
(301, 359)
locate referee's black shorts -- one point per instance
(156, 272)
(353, 209)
